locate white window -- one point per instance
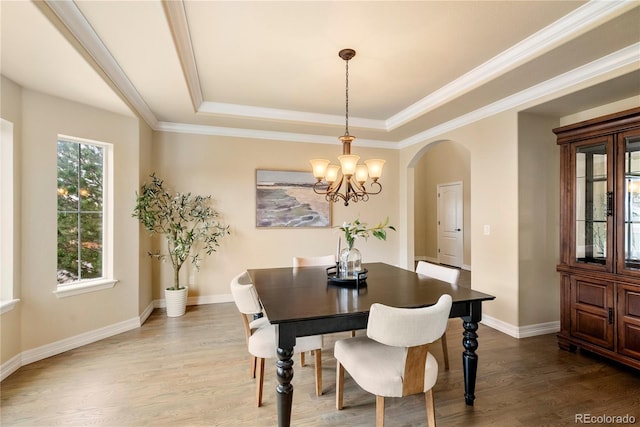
(84, 216)
(7, 301)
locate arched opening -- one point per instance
(438, 169)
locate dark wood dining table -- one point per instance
(301, 302)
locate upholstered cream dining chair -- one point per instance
(261, 335)
(311, 261)
(446, 274)
(393, 359)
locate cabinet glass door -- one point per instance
(631, 197)
(593, 204)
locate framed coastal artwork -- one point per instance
(286, 199)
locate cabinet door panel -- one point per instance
(628, 203)
(592, 197)
(591, 316)
(629, 320)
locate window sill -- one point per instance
(6, 306)
(64, 291)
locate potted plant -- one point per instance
(190, 226)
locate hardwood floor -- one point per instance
(194, 371)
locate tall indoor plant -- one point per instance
(188, 222)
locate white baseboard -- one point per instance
(199, 300)
(521, 331)
(10, 366)
(48, 350)
(435, 261)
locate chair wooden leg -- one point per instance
(379, 411)
(353, 334)
(445, 351)
(339, 384)
(252, 368)
(431, 408)
(260, 381)
(302, 362)
(318, 355)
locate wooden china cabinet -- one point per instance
(600, 236)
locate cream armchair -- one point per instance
(393, 360)
(261, 335)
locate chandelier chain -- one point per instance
(346, 97)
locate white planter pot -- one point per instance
(176, 301)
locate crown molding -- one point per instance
(617, 60)
(567, 27)
(73, 19)
(268, 135)
(237, 110)
(592, 13)
(177, 17)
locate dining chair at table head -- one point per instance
(315, 261)
(440, 272)
(261, 335)
(312, 261)
(393, 359)
(446, 274)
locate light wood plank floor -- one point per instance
(194, 371)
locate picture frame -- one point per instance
(285, 199)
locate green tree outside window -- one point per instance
(80, 211)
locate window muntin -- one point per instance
(83, 217)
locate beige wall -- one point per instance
(145, 278)
(538, 212)
(11, 110)
(444, 162)
(41, 318)
(225, 168)
(493, 148)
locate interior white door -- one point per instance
(450, 224)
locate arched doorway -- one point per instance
(441, 164)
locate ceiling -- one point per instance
(270, 69)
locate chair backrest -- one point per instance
(446, 274)
(408, 327)
(309, 261)
(245, 295)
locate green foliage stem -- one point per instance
(355, 229)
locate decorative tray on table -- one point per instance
(355, 281)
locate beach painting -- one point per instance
(287, 199)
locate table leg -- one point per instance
(284, 372)
(470, 344)
(470, 360)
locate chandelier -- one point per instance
(350, 177)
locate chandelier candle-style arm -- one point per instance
(350, 175)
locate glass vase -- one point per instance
(350, 263)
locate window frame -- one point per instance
(7, 291)
(107, 280)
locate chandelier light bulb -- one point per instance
(332, 173)
(375, 167)
(319, 167)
